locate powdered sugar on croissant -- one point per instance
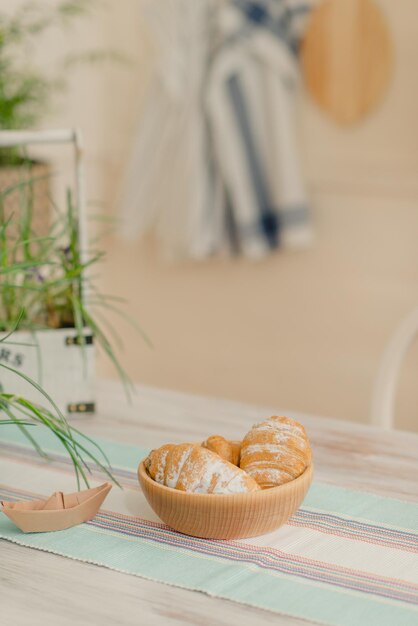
(189, 467)
(275, 451)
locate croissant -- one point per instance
(189, 467)
(275, 451)
(228, 450)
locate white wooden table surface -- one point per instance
(40, 588)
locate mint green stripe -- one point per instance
(364, 506)
(357, 505)
(222, 578)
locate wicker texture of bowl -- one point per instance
(225, 516)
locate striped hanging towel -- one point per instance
(215, 165)
(250, 106)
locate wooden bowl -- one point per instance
(225, 516)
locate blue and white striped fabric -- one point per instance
(251, 108)
(228, 171)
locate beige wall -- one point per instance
(302, 330)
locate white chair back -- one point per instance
(386, 383)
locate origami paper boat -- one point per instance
(59, 511)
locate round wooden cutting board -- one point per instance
(347, 57)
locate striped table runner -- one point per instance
(345, 558)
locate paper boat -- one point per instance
(59, 511)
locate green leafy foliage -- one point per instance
(46, 282)
(24, 414)
(25, 91)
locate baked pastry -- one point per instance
(189, 467)
(275, 451)
(228, 450)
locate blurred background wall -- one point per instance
(299, 330)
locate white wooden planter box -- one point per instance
(56, 362)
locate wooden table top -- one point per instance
(41, 588)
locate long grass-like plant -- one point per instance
(47, 282)
(22, 413)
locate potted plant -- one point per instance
(47, 281)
